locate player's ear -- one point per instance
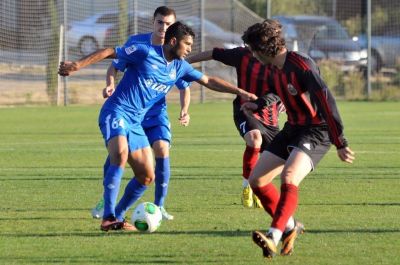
(173, 41)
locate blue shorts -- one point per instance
(113, 124)
(157, 127)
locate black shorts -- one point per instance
(312, 140)
(245, 123)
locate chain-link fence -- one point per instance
(333, 32)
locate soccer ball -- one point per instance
(147, 217)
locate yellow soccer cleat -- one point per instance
(257, 202)
(247, 197)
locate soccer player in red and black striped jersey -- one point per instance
(258, 128)
(313, 124)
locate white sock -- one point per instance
(245, 183)
(290, 224)
(276, 235)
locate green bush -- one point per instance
(354, 83)
(349, 85)
(333, 77)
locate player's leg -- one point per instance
(307, 146)
(158, 132)
(249, 131)
(270, 164)
(141, 161)
(98, 211)
(163, 173)
(112, 126)
(253, 141)
(118, 151)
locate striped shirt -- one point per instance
(306, 97)
(251, 76)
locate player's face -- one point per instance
(182, 48)
(260, 57)
(161, 23)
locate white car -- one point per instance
(99, 30)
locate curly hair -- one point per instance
(265, 37)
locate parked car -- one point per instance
(215, 36)
(100, 30)
(323, 38)
(385, 48)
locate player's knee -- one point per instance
(145, 180)
(288, 177)
(161, 149)
(254, 138)
(119, 158)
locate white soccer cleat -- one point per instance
(98, 210)
(165, 214)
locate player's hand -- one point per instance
(108, 91)
(248, 108)
(184, 119)
(345, 154)
(66, 68)
(247, 96)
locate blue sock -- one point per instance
(133, 191)
(111, 183)
(106, 166)
(162, 173)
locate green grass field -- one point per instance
(50, 176)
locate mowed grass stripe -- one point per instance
(51, 173)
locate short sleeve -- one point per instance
(133, 53)
(181, 84)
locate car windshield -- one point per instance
(330, 30)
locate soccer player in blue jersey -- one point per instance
(156, 123)
(151, 73)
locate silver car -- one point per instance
(99, 30)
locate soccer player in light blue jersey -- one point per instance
(151, 73)
(156, 122)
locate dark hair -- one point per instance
(265, 37)
(164, 11)
(179, 31)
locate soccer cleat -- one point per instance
(111, 224)
(165, 214)
(247, 197)
(257, 202)
(266, 243)
(98, 210)
(289, 237)
(128, 226)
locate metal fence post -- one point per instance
(369, 48)
(202, 47)
(65, 79)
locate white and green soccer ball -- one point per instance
(147, 217)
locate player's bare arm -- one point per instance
(220, 85)
(184, 117)
(66, 68)
(203, 56)
(110, 81)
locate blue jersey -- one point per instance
(147, 79)
(121, 65)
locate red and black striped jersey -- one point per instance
(305, 95)
(251, 76)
